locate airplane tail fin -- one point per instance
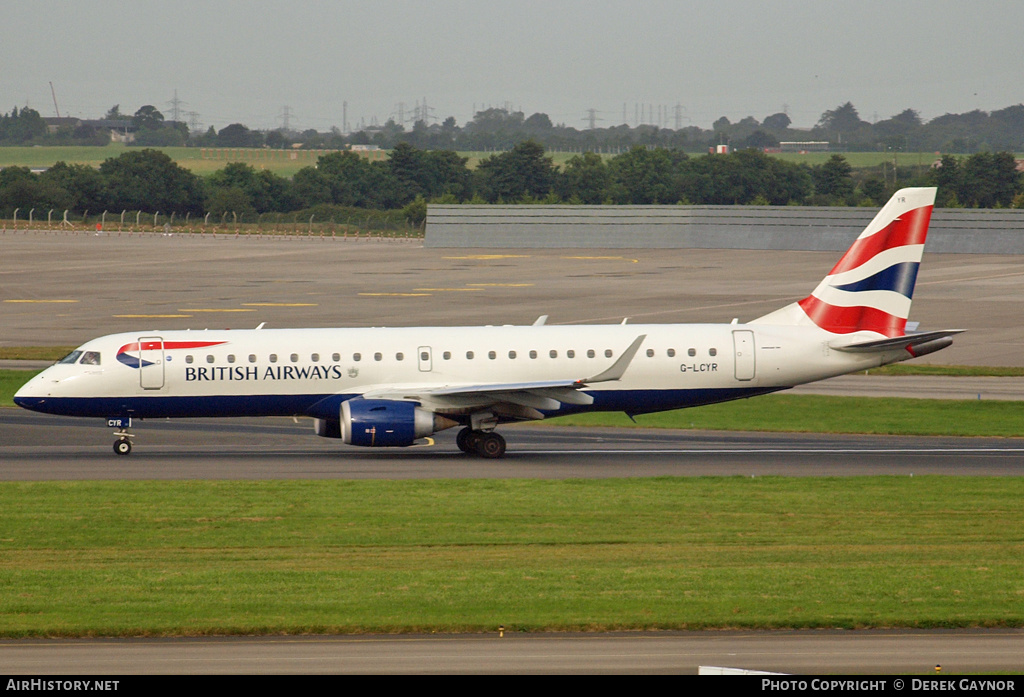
(871, 287)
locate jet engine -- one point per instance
(378, 423)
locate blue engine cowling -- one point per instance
(379, 423)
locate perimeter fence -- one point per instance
(387, 226)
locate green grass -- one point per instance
(823, 414)
(281, 162)
(948, 370)
(197, 558)
(34, 353)
(10, 382)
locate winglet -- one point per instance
(540, 321)
(618, 368)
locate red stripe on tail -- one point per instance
(844, 320)
(910, 228)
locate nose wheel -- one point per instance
(123, 444)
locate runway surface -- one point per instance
(41, 447)
(804, 652)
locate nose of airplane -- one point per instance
(32, 395)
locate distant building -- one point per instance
(54, 124)
(121, 130)
(804, 146)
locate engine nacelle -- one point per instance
(378, 423)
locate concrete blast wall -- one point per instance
(953, 230)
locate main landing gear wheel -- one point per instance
(463, 441)
(491, 446)
(122, 446)
(485, 444)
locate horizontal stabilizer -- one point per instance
(911, 342)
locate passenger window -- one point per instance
(336, 357)
(650, 353)
(357, 357)
(671, 353)
(377, 356)
(315, 358)
(188, 359)
(447, 355)
(295, 358)
(91, 358)
(553, 353)
(399, 356)
(590, 353)
(492, 355)
(469, 355)
(713, 352)
(511, 354)
(608, 353)
(209, 358)
(273, 358)
(424, 356)
(570, 353)
(533, 354)
(252, 357)
(231, 358)
(691, 352)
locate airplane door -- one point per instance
(426, 359)
(743, 343)
(151, 362)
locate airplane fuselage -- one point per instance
(310, 372)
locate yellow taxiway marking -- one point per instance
(398, 295)
(148, 316)
(279, 304)
(632, 261)
(488, 257)
(448, 290)
(208, 309)
(40, 301)
(502, 285)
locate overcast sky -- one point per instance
(255, 62)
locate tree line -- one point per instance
(409, 178)
(501, 129)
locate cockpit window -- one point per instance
(71, 357)
(91, 358)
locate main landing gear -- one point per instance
(486, 444)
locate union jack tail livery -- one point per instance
(871, 287)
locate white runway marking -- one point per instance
(765, 451)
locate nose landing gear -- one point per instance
(123, 444)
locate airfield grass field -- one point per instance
(190, 558)
(286, 163)
(200, 558)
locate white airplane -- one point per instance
(392, 386)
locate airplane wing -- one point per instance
(917, 344)
(515, 399)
